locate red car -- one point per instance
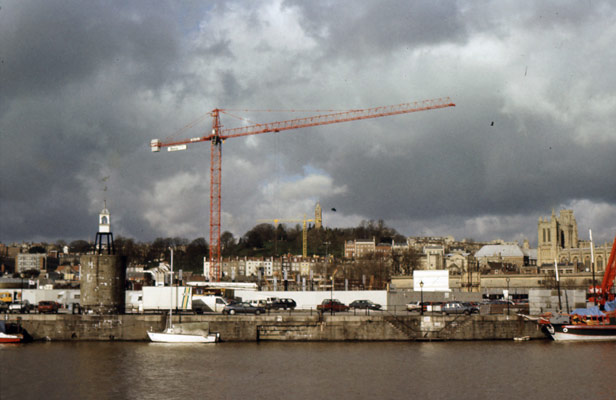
(48, 307)
(335, 305)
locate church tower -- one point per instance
(554, 234)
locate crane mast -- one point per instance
(215, 196)
(218, 134)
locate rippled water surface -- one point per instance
(450, 370)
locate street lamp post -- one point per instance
(331, 303)
(421, 305)
(508, 304)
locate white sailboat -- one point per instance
(170, 335)
(173, 334)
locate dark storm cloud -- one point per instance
(67, 69)
(347, 30)
(87, 85)
(47, 45)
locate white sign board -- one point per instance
(433, 281)
(178, 147)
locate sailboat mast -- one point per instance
(592, 266)
(560, 304)
(171, 291)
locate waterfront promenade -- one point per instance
(296, 326)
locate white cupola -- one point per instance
(104, 221)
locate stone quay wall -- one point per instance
(282, 327)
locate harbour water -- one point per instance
(275, 370)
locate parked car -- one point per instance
(21, 307)
(47, 306)
(428, 306)
(501, 302)
(456, 307)
(258, 303)
(433, 306)
(269, 302)
(332, 305)
(4, 307)
(242, 308)
(365, 305)
(284, 304)
(414, 306)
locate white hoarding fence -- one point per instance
(433, 281)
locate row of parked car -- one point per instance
(450, 307)
(25, 307)
(336, 305)
(261, 306)
(458, 307)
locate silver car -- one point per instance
(414, 306)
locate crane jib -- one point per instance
(219, 135)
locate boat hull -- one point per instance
(11, 338)
(165, 337)
(568, 332)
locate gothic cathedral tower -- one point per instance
(554, 234)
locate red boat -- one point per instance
(11, 337)
(580, 327)
(13, 333)
(592, 323)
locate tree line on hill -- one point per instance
(263, 240)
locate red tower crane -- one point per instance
(604, 293)
(218, 135)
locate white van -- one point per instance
(208, 303)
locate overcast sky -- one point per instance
(85, 86)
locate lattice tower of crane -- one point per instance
(219, 134)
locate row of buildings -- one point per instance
(557, 242)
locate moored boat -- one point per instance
(592, 323)
(586, 324)
(13, 333)
(175, 334)
(172, 336)
(600, 330)
(11, 337)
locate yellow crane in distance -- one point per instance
(305, 220)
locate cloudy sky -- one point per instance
(85, 86)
